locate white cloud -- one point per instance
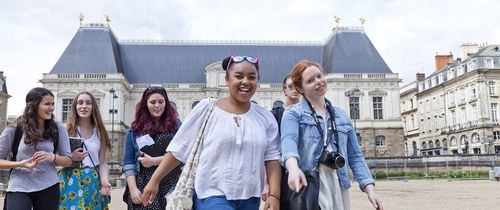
(407, 33)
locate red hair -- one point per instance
(144, 122)
(299, 68)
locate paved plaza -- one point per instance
(414, 194)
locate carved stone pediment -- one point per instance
(355, 92)
(97, 94)
(377, 92)
(67, 94)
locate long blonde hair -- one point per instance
(95, 119)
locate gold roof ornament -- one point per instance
(337, 21)
(81, 18)
(362, 20)
(108, 19)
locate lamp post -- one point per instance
(113, 111)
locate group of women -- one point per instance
(242, 144)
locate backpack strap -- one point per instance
(15, 144)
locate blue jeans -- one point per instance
(221, 203)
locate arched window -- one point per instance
(278, 103)
(489, 63)
(414, 146)
(463, 140)
(445, 144)
(380, 141)
(453, 141)
(194, 104)
(438, 144)
(431, 144)
(475, 138)
(424, 145)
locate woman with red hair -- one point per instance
(152, 130)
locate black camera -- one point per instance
(332, 159)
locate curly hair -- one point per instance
(95, 119)
(29, 120)
(144, 122)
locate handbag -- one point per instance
(182, 196)
(307, 197)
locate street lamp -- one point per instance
(113, 112)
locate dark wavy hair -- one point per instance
(29, 120)
(144, 122)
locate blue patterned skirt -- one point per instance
(79, 189)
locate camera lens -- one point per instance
(339, 161)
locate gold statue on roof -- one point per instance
(108, 19)
(81, 18)
(337, 21)
(362, 20)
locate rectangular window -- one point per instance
(377, 108)
(492, 88)
(494, 116)
(66, 108)
(473, 91)
(453, 118)
(354, 107)
(496, 135)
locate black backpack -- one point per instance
(13, 153)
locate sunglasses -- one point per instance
(241, 58)
(155, 88)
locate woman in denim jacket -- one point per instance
(154, 126)
(302, 143)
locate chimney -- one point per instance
(420, 77)
(442, 60)
(469, 49)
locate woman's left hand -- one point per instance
(372, 196)
(147, 161)
(272, 203)
(105, 189)
(42, 156)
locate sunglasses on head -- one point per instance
(241, 58)
(155, 88)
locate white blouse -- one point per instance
(93, 145)
(233, 150)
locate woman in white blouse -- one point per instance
(241, 138)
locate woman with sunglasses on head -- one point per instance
(86, 185)
(43, 142)
(317, 137)
(240, 140)
(153, 128)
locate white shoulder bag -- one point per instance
(182, 196)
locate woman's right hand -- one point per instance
(296, 179)
(149, 193)
(136, 196)
(28, 163)
(79, 155)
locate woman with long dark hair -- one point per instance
(43, 141)
(86, 185)
(152, 130)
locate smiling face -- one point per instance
(84, 106)
(242, 81)
(156, 105)
(46, 108)
(313, 83)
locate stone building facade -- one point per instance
(456, 106)
(96, 61)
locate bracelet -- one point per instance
(271, 195)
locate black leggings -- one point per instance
(43, 199)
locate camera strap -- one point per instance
(331, 112)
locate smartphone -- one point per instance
(75, 143)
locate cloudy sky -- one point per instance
(407, 34)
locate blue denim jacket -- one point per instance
(130, 163)
(300, 139)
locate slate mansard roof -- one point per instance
(95, 49)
